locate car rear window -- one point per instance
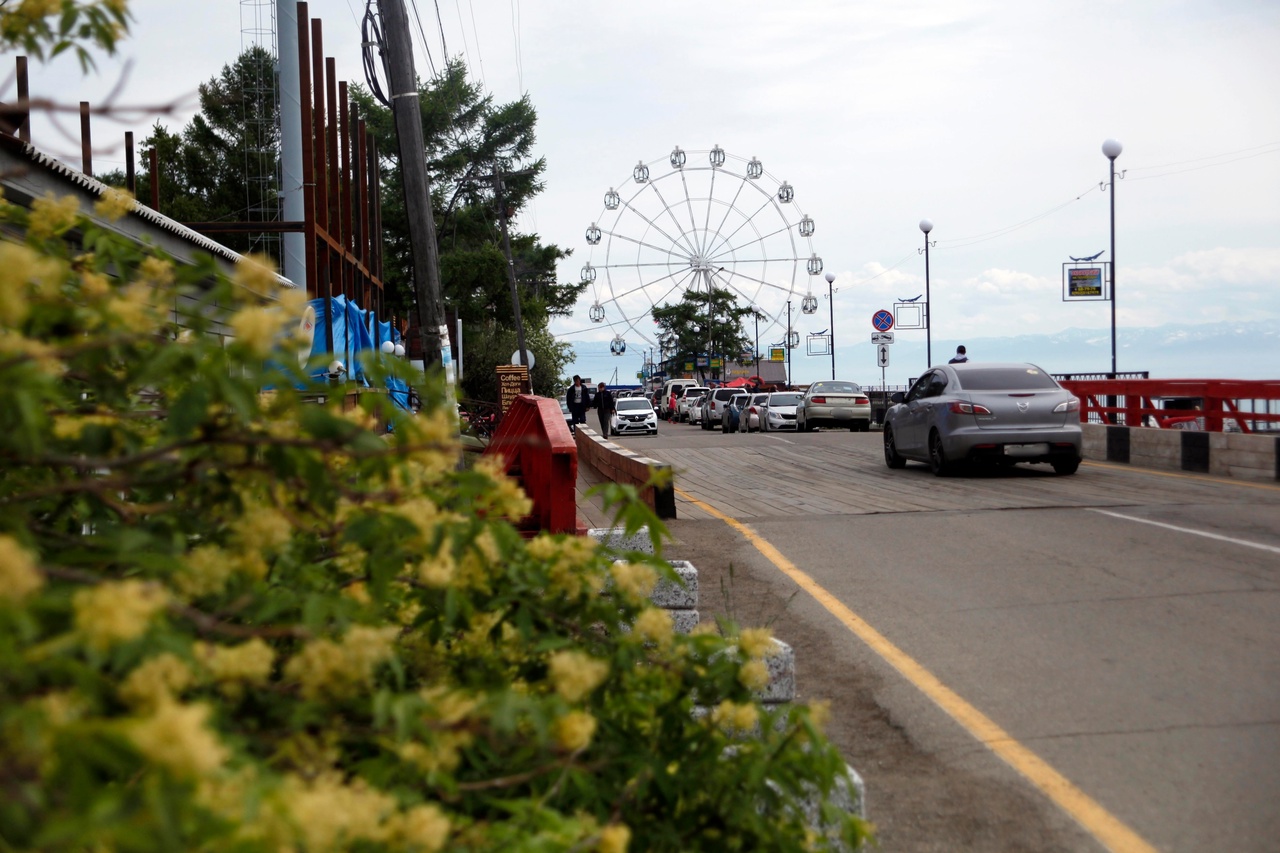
(836, 388)
(1006, 379)
(784, 400)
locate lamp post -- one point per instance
(1111, 150)
(755, 313)
(926, 226)
(831, 315)
(787, 343)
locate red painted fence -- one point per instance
(1209, 404)
(539, 452)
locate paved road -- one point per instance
(1122, 625)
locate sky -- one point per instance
(987, 118)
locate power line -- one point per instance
(423, 34)
(515, 31)
(1208, 165)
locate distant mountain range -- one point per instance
(1238, 350)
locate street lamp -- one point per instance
(1111, 150)
(788, 343)
(831, 307)
(926, 226)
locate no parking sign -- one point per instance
(882, 321)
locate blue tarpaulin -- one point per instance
(354, 331)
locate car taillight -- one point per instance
(860, 401)
(818, 400)
(1072, 405)
(959, 408)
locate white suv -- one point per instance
(687, 396)
(717, 400)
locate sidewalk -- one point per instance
(591, 509)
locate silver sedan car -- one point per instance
(997, 414)
(835, 404)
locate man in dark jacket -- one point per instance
(604, 405)
(578, 399)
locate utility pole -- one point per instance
(417, 188)
(511, 266)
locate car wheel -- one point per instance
(1065, 467)
(937, 457)
(653, 431)
(861, 426)
(891, 456)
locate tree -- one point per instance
(471, 144)
(223, 163)
(699, 331)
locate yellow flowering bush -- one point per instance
(234, 619)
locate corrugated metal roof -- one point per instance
(139, 209)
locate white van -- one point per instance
(678, 385)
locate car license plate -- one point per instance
(1026, 449)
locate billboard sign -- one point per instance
(1085, 282)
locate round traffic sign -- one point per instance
(882, 321)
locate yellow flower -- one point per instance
(158, 679)
(114, 204)
(262, 528)
(34, 10)
(157, 271)
(575, 674)
(757, 643)
(17, 267)
(574, 730)
(754, 675)
(135, 308)
(208, 568)
(326, 668)
(235, 666)
(332, 815)
(40, 354)
(437, 571)
(51, 216)
(175, 737)
(732, 717)
(654, 625)
(422, 828)
(614, 838)
(820, 713)
(636, 580)
(19, 575)
(256, 328)
(116, 611)
(94, 285)
(257, 274)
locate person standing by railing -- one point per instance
(604, 406)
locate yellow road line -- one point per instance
(1104, 826)
(1182, 475)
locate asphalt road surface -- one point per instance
(1093, 660)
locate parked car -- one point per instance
(834, 403)
(568, 415)
(632, 415)
(731, 419)
(686, 396)
(716, 402)
(676, 385)
(998, 414)
(752, 415)
(693, 409)
(780, 411)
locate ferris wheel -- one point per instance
(692, 221)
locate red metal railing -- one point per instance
(1218, 404)
(539, 452)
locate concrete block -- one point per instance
(617, 539)
(782, 675)
(683, 595)
(684, 621)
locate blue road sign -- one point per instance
(882, 321)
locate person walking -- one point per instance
(960, 357)
(604, 406)
(578, 399)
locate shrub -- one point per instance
(233, 619)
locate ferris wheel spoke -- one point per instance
(665, 251)
(746, 220)
(729, 208)
(655, 226)
(693, 225)
(642, 286)
(759, 281)
(666, 207)
(759, 239)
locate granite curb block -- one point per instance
(1221, 454)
